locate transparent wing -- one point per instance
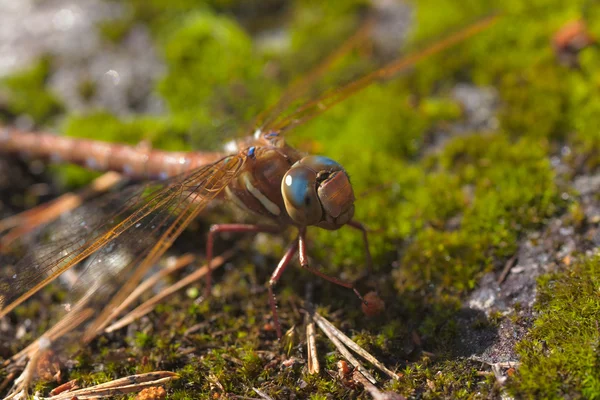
(146, 220)
(281, 119)
(306, 84)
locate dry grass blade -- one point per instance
(70, 385)
(507, 268)
(311, 345)
(129, 384)
(149, 305)
(262, 394)
(179, 263)
(373, 391)
(9, 378)
(331, 331)
(173, 266)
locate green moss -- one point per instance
(27, 93)
(440, 217)
(308, 17)
(534, 98)
(87, 89)
(561, 355)
(114, 31)
(143, 340)
(215, 52)
(158, 15)
(448, 379)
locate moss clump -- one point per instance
(27, 93)
(560, 358)
(534, 98)
(584, 107)
(213, 51)
(457, 379)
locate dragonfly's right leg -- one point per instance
(219, 228)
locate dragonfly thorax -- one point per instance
(317, 191)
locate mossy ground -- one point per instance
(442, 215)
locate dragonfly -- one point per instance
(262, 174)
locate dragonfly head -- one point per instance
(317, 191)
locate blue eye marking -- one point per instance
(328, 162)
(271, 134)
(251, 152)
(297, 187)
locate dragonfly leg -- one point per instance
(303, 256)
(220, 228)
(359, 226)
(285, 261)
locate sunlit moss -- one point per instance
(206, 58)
(27, 93)
(560, 356)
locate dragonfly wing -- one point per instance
(146, 219)
(302, 89)
(297, 114)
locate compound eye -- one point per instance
(321, 163)
(299, 192)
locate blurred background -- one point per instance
(476, 169)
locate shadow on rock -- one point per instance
(475, 333)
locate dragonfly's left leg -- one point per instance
(303, 256)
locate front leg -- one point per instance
(299, 245)
(303, 256)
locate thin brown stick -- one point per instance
(311, 345)
(375, 393)
(149, 305)
(129, 384)
(9, 378)
(179, 263)
(329, 331)
(339, 335)
(262, 394)
(507, 268)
